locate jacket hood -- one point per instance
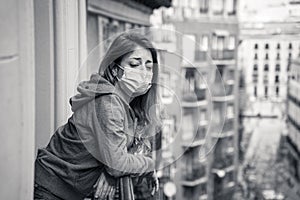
(89, 90)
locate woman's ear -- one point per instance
(114, 72)
(119, 72)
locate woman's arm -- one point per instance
(111, 138)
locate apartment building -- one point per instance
(289, 169)
(264, 54)
(206, 37)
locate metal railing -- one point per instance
(222, 54)
(200, 55)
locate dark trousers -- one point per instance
(41, 193)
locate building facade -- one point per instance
(264, 57)
(290, 152)
(205, 34)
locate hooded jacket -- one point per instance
(95, 137)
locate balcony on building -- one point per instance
(200, 56)
(294, 90)
(223, 90)
(199, 137)
(194, 89)
(225, 54)
(292, 137)
(194, 127)
(224, 185)
(224, 155)
(292, 159)
(223, 162)
(198, 192)
(224, 148)
(223, 45)
(194, 168)
(223, 130)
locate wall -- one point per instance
(60, 49)
(17, 99)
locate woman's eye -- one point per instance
(134, 64)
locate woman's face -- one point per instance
(140, 58)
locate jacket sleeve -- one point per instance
(111, 138)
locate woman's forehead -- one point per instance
(140, 53)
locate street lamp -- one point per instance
(219, 172)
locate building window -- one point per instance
(290, 56)
(267, 46)
(276, 79)
(214, 42)
(187, 12)
(256, 46)
(231, 7)
(231, 42)
(277, 91)
(293, 77)
(217, 46)
(230, 110)
(204, 43)
(277, 68)
(255, 56)
(266, 67)
(278, 46)
(255, 91)
(254, 78)
(220, 70)
(266, 79)
(255, 67)
(218, 7)
(266, 91)
(203, 6)
(278, 56)
(290, 46)
(188, 47)
(267, 56)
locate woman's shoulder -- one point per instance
(109, 101)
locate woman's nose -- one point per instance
(142, 67)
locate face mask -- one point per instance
(135, 82)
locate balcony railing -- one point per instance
(200, 55)
(222, 54)
(223, 190)
(201, 133)
(222, 162)
(194, 171)
(223, 89)
(194, 98)
(204, 10)
(197, 137)
(228, 126)
(198, 94)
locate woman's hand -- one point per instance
(104, 187)
(154, 182)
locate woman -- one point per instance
(103, 144)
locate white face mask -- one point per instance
(135, 82)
